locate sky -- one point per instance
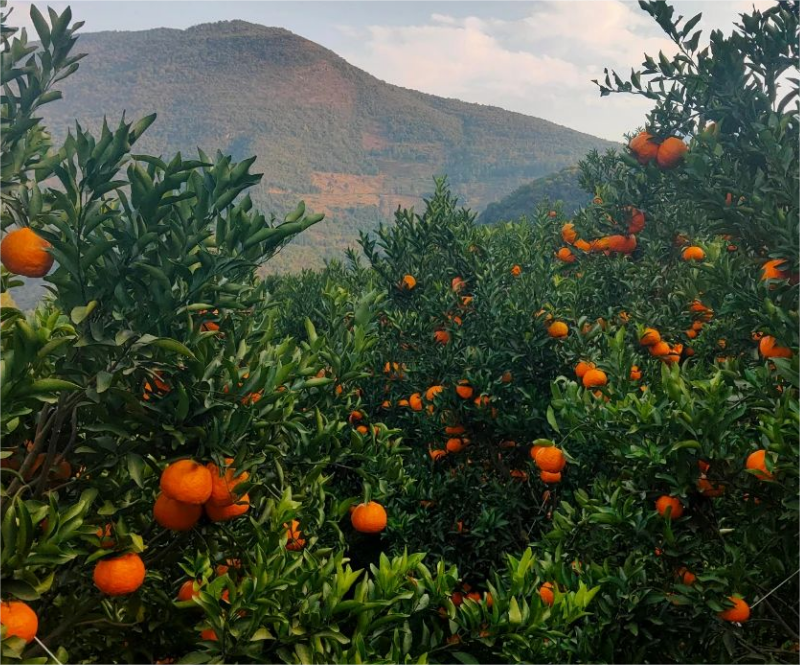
(536, 57)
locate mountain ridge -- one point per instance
(349, 144)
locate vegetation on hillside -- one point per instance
(563, 439)
(564, 187)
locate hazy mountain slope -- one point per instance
(325, 131)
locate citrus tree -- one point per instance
(178, 476)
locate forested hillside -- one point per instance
(324, 131)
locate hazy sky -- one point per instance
(536, 58)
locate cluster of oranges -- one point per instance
(551, 462)
(667, 153)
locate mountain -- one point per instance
(324, 131)
(562, 186)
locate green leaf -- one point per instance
(80, 313)
(136, 468)
(48, 386)
(173, 345)
(21, 590)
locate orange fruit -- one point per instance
(175, 515)
(463, 389)
(595, 378)
(693, 253)
(649, 337)
(187, 481)
(691, 333)
(294, 541)
(665, 503)
(582, 367)
(225, 513)
(119, 576)
(222, 486)
(643, 147)
(369, 517)
(516, 271)
(19, 619)
(105, 535)
(431, 392)
(507, 377)
(25, 253)
(457, 284)
(546, 593)
(415, 402)
(517, 474)
(635, 220)
(558, 330)
(660, 349)
(209, 635)
(564, 254)
(671, 152)
(441, 337)
(568, 233)
(739, 613)
(550, 459)
(187, 591)
(408, 282)
(757, 462)
(635, 373)
(770, 270)
(534, 451)
(582, 245)
(550, 478)
(768, 347)
(454, 429)
(436, 454)
(362, 429)
(709, 489)
(686, 576)
(454, 445)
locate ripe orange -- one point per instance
(362, 429)
(436, 454)
(454, 445)
(431, 392)
(686, 576)
(649, 337)
(595, 378)
(463, 389)
(671, 152)
(568, 233)
(119, 576)
(691, 333)
(739, 613)
(507, 377)
(582, 367)
(187, 481)
(768, 347)
(643, 147)
(564, 254)
(457, 284)
(294, 540)
(709, 489)
(454, 429)
(665, 503)
(225, 513)
(546, 593)
(175, 515)
(518, 474)
(482, 401)
(408, 282)
(550, 459)
(660, 349)
(635, 220)
(19, 619)
(222, 486)
(757, 462)
(415, 402)
(635, 374)
(209, 635)
(534, 451)
(550, 478)
(770, 270)
(693, 253)
(558, 330)
(188, 591)
(25, 253)
(105, 535)
(369, 517)
(516, 271)
(441, 337)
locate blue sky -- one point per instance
(536, 58)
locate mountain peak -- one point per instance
(324, 131)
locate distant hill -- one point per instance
(323, 130)
(561, 186)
